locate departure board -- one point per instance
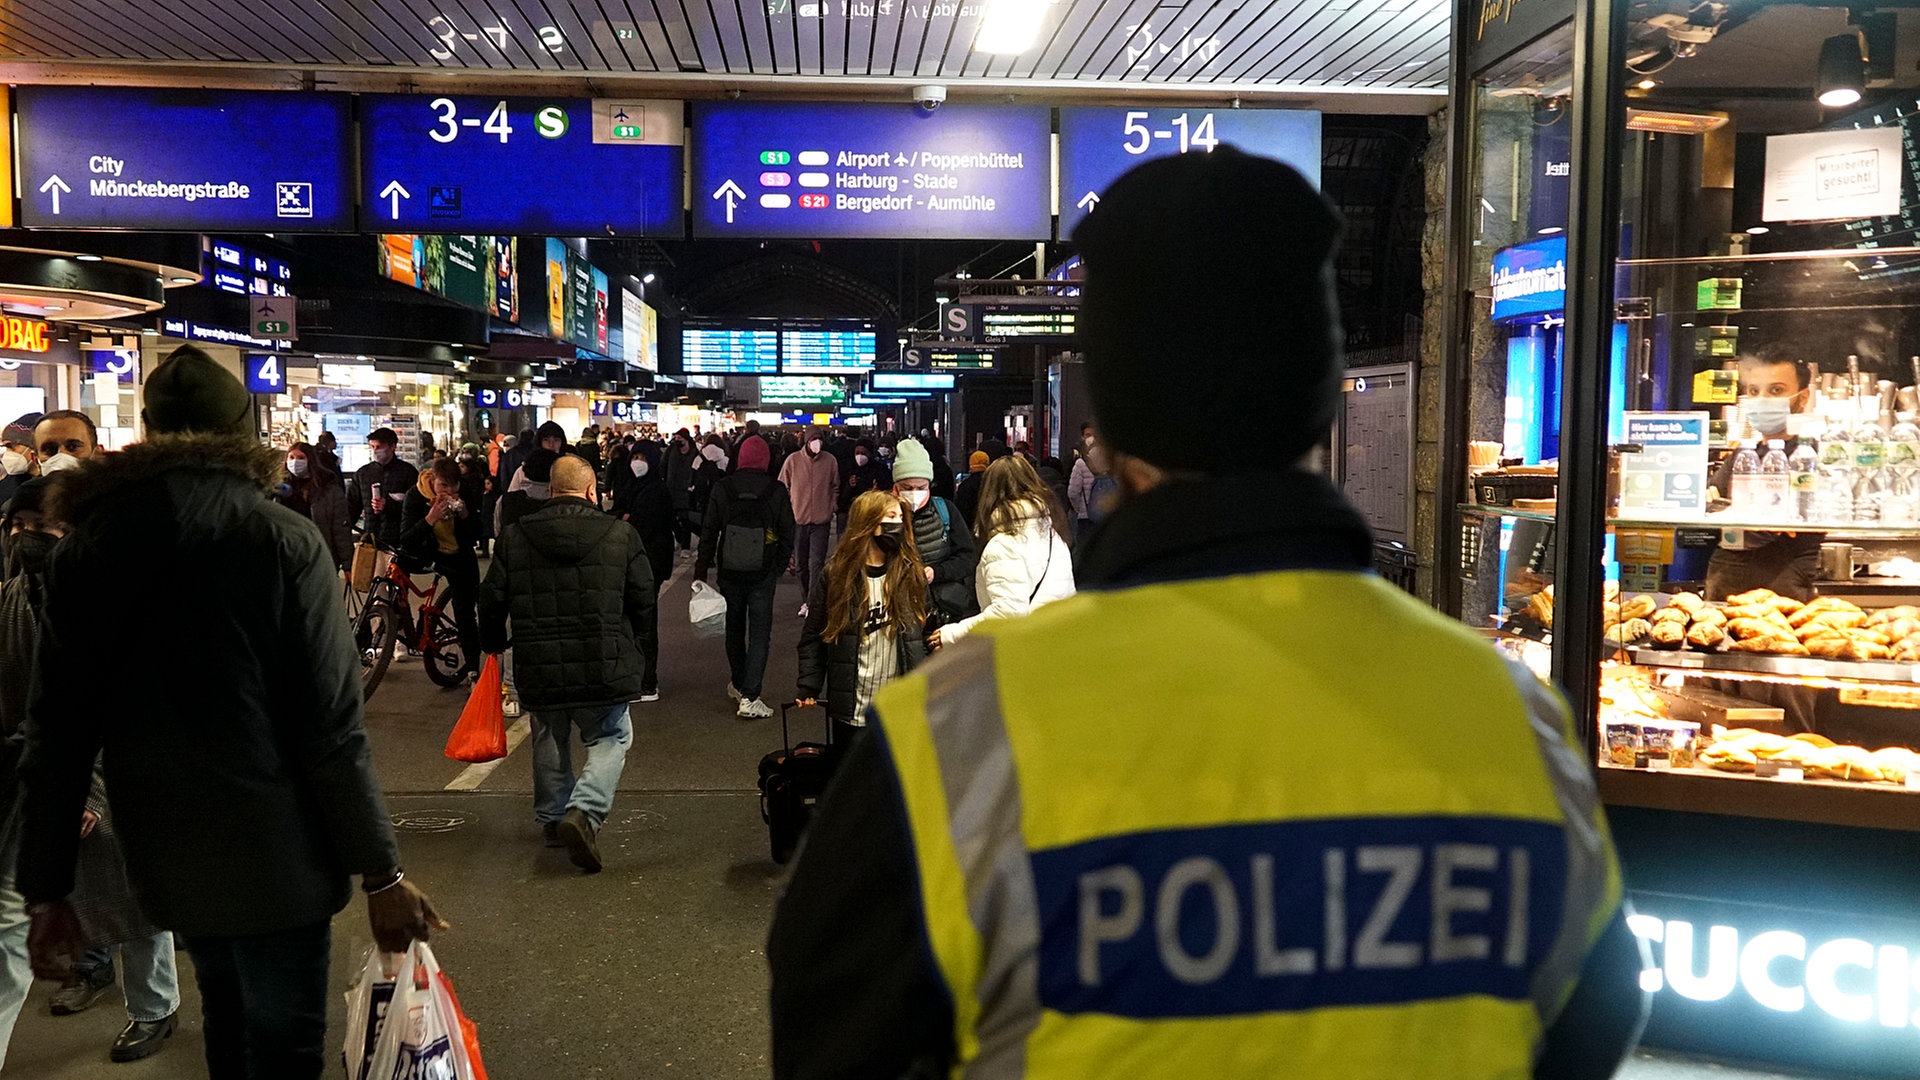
(1027, 323)
(807, 351)
(950, 356)
(729, 351)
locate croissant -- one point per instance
(1753, 596)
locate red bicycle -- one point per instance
(387, 618)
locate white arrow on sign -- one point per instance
(1089, 201)
(732, 193)
(394, 192)
(57, 186)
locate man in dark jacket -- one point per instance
(749, 526)
(378, 488)
(682, 457)
(576, 584)
(864, 472)
(233, 746)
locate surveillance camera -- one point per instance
(929, 96)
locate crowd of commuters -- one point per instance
(974, 894)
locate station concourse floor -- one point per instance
(655, 967)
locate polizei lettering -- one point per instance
(1247, 918)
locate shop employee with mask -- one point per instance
(1773, 386)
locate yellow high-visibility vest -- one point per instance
(1288, 824)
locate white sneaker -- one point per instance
(732, 692)
(651, 695)
(753, 709)
(803, 611)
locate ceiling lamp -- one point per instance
(1010, 27)
(1843, 71)
(1674, 123)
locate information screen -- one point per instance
(950, 356)
(884, 381)
(812, 170)
(802, 390)
(184, 160)
(1098, 146)
(1026, 322)
(826, 351)
(563, 167)
(729, 351)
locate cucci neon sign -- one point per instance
(1884, 989)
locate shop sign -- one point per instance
(96, 157)
(1498, 27)
(1833, 175)
(460, 164)
(1667, 477)
(1530, 279)
(1098, 146)
(1810, 987)
(21, 334)
(821, 170)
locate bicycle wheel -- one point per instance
(447, 658)
(374, 635)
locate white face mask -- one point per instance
(639, 467)
(15, 462)
(859, 459)
(297, 466)
(886, 452)
(813, 446)
(916, 497)
(59, 463)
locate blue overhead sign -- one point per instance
(184, 160)
(812, 170)
(562, 167)
(266, 373)
(1098, 146)
(1530, 279)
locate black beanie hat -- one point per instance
(1214, 270)
(189, 392)
(539, 465)
(551, 430)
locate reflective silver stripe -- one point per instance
(983, 801)
(1586, 884)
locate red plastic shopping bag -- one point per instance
(481, 734)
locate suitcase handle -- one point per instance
(786, 739)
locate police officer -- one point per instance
(1239, 809)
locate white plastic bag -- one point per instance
(410, 1025)
(708, 610)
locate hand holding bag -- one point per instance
(410, 1025)
(481, 734)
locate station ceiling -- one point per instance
(1338, 55)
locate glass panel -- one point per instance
(1767, 483)
(1520, 175)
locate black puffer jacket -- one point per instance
(831, 669)
(578, 588)
(235, 761)
(946, 545)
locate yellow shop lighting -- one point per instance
(1010, 26)
(1674, 123)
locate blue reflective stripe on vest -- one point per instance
(1295, 915)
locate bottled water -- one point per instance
(1870, 470)
(1803, 482)
(1834, 496)
(1774, 486)
(1746, 495)
(1902, 503)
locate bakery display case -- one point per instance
(1680, 478)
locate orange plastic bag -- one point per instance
(481, 734)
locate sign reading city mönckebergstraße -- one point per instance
(813, 170)
(186, 160)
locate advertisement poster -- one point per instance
(599, 343)
(556, 288)
(1833, 175)
(476, 271)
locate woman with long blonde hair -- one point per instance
(1024, 561)
(867, 614)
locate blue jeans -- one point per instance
(264, 999)
(749, 631)
(607, 734)
(15, 975)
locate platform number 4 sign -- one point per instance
(266, 373)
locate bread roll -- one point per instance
(1638, 607)
(1668, 634)
(1687, 602)
(1705, 635)
(1672, 615)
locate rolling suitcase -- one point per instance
(791, 780)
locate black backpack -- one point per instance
(745, 545)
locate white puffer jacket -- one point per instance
(1019, 571)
